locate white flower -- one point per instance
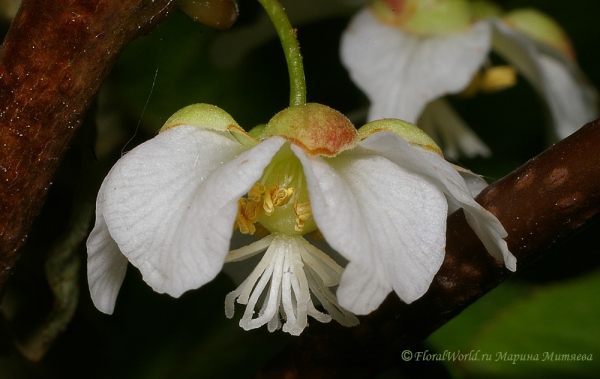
(170, 206)
(405, 73)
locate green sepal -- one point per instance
(407, 131)
(482, 9)
(541, 28)
(207, 116)
(425, 17)
(257, 131)
(316, 128)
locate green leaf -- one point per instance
(553, 332)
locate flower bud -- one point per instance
(425, 17)
(316, 128)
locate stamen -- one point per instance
(253, 211)
(296, 324)
(268, 205)
(256, 192)
(275, 322)
(242, 222)
(249, 250)
(283, 196)
(319, 316)
(263, 200)
(290, 284)
(329, 271)
(263, 265)
(490, 80)
(303, 213)
(249, 210)
(230, 299)
(287, 302)
(276, 196)
(498, 78)
(323, 258)
(274, 273)
(324, 272)
(329, 301)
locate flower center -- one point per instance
(279, 200)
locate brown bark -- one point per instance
(540, 204)
(53, 60)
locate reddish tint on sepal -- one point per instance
(393, 11)
(424, 17)
(316, 128)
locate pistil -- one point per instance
(293, 269)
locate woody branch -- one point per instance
(53, 61)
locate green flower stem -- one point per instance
(291, 49)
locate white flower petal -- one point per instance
(572, 101)
(389, 223)
(439, 119)
(401, 72)
(518, 50)
(361, 292)
(475, 183)
(414, 159)
(106, 266)
(171, 203)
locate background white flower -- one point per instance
(406, 74)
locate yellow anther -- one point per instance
(303, 213)
(256, 192)
(493, 79)
(248, 214)
(283, 196)
(299, 225)
(260, 200)
(242, 222)
(253, 211)
(498, 78)
(276, 196)
(268, 205)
